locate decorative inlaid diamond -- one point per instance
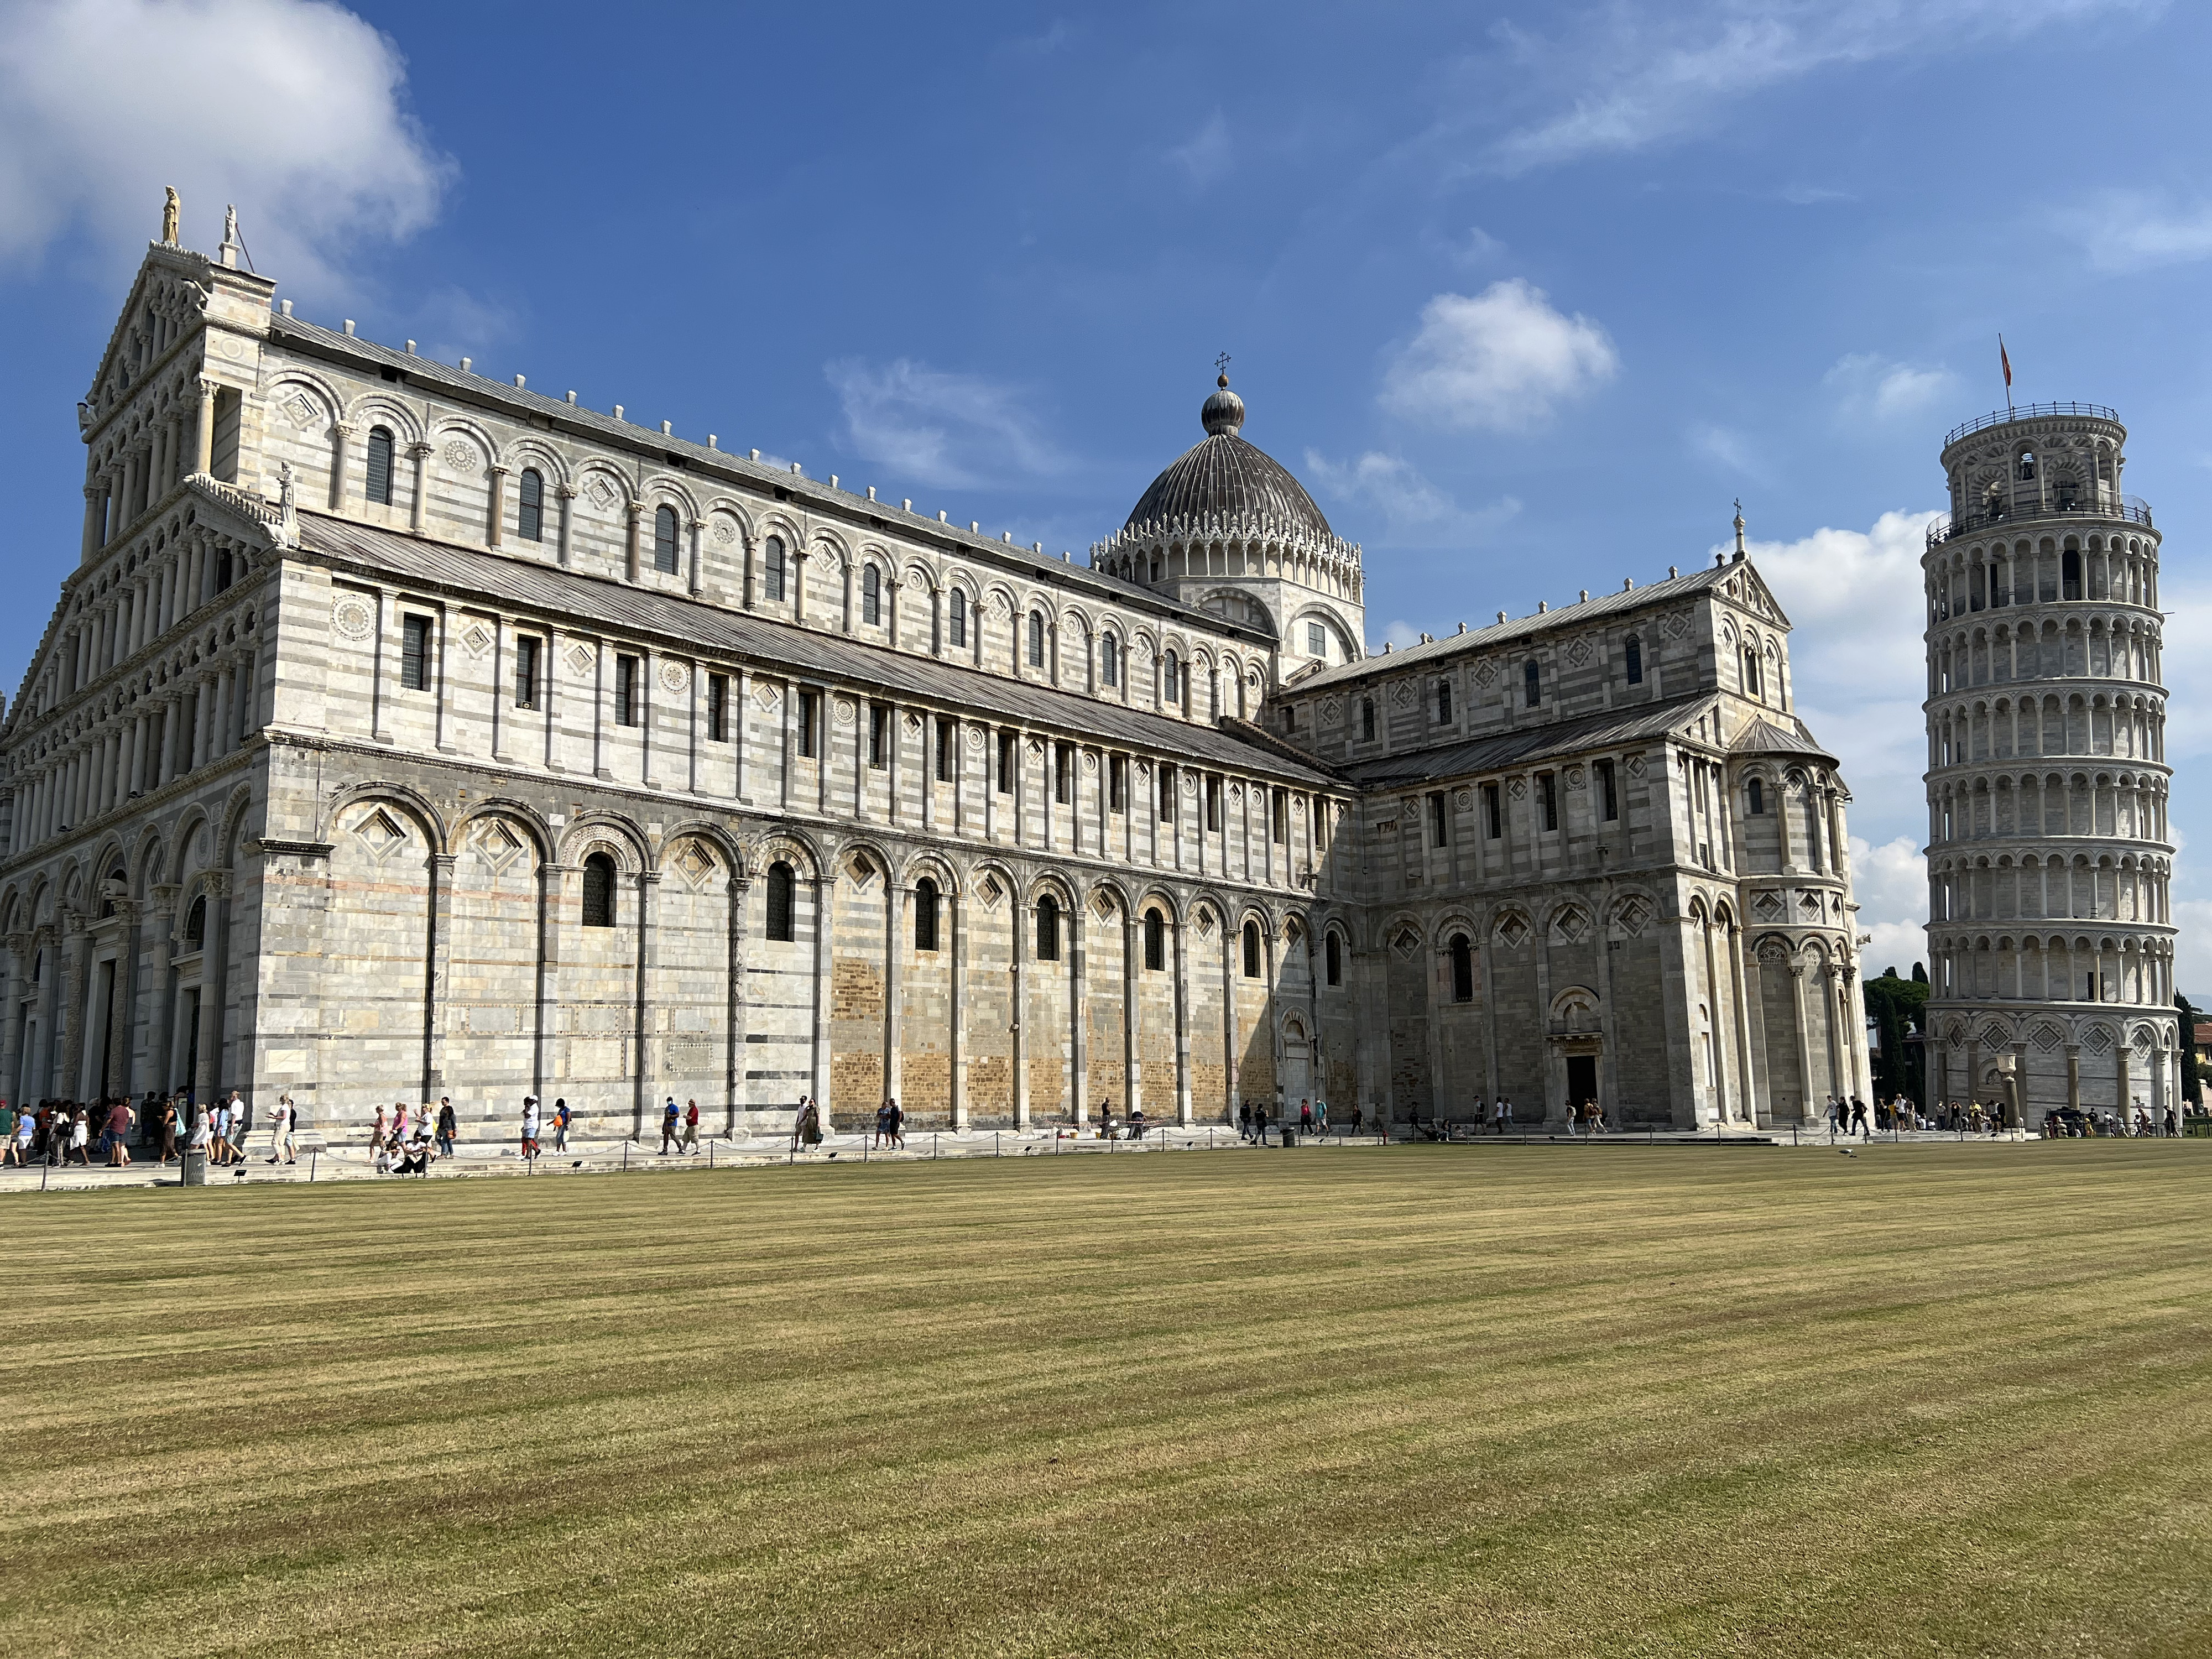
(1406, 942)
(2048, 1038)
(990, 891)
(599, 493)
(1571, 925)
(1518, 789)
(301, 408)
(767, 696)
(581, 658)
(1635, 766)
(478, 638)
(2097, 1040)
(1513, 931)
(1578, 653)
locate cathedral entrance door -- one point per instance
(1582, 1080)
(1297, 1072)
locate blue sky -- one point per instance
(1526, 295)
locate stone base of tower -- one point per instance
(2089, 1057)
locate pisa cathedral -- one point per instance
(2050, 927)
(402, 733)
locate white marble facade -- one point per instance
(405, 733)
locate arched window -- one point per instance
(1444, 702)
(1635, 660)
(380, 465)
(1333, 952)
(1109, 662)
(2026, 465)
(598, 891)
(925, 915)
(1251, 950)
(2070, 574)
(1156, 939)
(1367, 718)
(1463, 958)
(959, 617)
(664, 539)
(195, 923)
(1751, 680)
(773, 560)
(1036, 638)
(1047, 943)
(529, 506)
(781, 884)
(1532, 683)
(1756, 792)
(872, 597)
(1171, 673)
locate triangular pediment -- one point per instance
(173, 296)
(1743, 586)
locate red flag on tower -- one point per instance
(2004, 361)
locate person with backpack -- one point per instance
(561, 1124)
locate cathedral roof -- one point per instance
(1762, 736)
(1226, 478)
(754, 641)
(1606, 730)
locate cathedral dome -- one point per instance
(1226, 478)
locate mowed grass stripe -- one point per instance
(1436, 1400)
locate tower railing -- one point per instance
(2028, 413)
(2129, 509)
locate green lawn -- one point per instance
(1424, 1401)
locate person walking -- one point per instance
(448, 1126)
(806, 1128)
(282, 1135)
(668, 1130)
(8, 1152)
(26, 1129)
(690, 1127)
(1243, 1120)
(1305, 1119)
(530, 1128)
(898, 1126)
(561, 1124)
(376, 1134)
(120, 1117)
(80, 1137)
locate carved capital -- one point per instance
(165, 897)
(216, 884)
(566, 492)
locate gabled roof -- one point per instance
(806, 493)
(745, 638)
(1431, 654)
(1762, 736)
(1609, 729)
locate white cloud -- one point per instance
(1501, 361)
(1477, 247)
(1417, 512)
(1205, 157)
(1890, 882)
(1871, 388)
(1857, 660)
(1632, 77)
(939, 428)
(289, 108)
(1726, 448)
(2135, 230)
(1398, 635)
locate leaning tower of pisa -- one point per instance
(2050, 935)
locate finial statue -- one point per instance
(1221, 368)
(169, 209)
(230, 224)
(1739, 529)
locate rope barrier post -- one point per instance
(625, 1158)
(313, 1152)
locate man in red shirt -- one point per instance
(118, 1129)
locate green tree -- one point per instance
(1898, 1008)
(2191, 1089)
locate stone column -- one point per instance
(1133, 968)
(92, 517)
(645, 1070)
(204, 436)
(495, 522)
(957, 1063)
(2074, 1077)
(340, 432)
(552, 890)
(1183, 1114)
(1750, 1092)
(441, 960)
(1078, 1043)
(738, 1005)
(74, 971)
(2124, 1080)
(380, 694)
(12, 988)
(1018, 1033)
(1231, 1066)
(697, 526)
(214, 971)
(1806, 1110)
(439, 690)
(1973, 1068)
(898, 911)
(825, 897)
(500, 691)
(633, 511)
(566, 494)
